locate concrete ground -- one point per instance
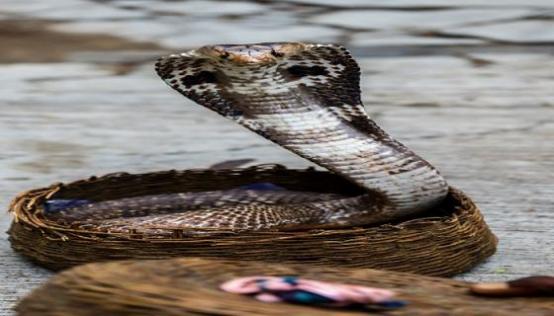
(468, 86)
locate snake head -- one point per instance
(242, 81)
(252, 53)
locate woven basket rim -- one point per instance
(25, 208)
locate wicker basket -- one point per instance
(190, 287)
(445, 241)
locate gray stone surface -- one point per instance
(440, 19)
(484, 117)
(427, 3)
(515, 31)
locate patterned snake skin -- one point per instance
(306, 98)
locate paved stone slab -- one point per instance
(516, 31)
(429, 3)
(416, 20)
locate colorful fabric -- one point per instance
(262, 186)
(311, 292)
(56, 205)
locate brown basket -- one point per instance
(189, 286)
(445, 241)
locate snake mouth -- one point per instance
(253, 53)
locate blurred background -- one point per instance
(467, 84)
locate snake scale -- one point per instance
(305, 98)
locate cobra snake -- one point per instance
(305, 98)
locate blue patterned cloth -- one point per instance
(52, 206)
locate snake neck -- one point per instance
(357, 150)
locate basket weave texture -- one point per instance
(445, 241)
(189, 286)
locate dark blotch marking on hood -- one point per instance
(199, 78)
(298, 71)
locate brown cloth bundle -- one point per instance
(178, 287)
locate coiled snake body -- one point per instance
(306, 98)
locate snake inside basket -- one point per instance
(305, 98)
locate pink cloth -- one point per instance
(341, 294)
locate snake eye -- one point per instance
(224, 55)
(276, 53)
